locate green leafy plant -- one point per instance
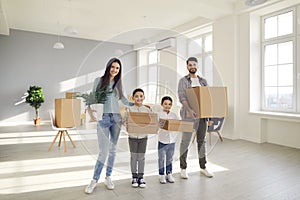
(94, 97)
(101, 96)
(35, 98)
(88, 98)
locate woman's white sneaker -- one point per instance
(170, 178)
(108, 183)
(162, 179)
(90, 187)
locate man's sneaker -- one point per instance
(183, 174)
(170, 178)
(162, 179)
(90, 187)
(206, 173)
(142, 183)
(134, 183)
(108, 183)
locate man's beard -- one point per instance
(193, 71)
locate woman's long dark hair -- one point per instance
(118, 78)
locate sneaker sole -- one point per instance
(210, 176)
(170, 181)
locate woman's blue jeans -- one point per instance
(108, 131)
(165, 153)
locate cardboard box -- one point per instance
(208, 101)
(176, 125)
(71, 95)
(67, 113)
(146, 123)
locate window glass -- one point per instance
(271, 54)
(285, 23)
(285, 97)
(208, 43)
(271, 97)
(285, 52)
(285, 75)
(271, 27)
(270, 76)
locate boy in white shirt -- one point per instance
(166, 143)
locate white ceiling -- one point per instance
(115, 20)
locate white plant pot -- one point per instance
(97, 110)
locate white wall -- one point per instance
(224, 55)
(27, 58)
(236, 53)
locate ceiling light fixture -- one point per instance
(58, 44)
(254, 2)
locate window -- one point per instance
(201, 47)
(147, 74)
(279, 62)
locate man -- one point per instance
(186, 112)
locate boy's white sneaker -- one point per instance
(162, 179)
(108, 183)
(170, 178)
(90, 187)
(142, 183)
(134, 183)
(206, 172)
(184, 174)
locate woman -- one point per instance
(108, 129)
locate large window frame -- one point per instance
(204, 55)
(277, 104)
(148, 74)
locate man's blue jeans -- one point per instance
(108, 131)
(165, 151)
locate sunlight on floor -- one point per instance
(14, 179)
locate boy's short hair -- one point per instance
(191, 59)
(166, 98)
(137, 90)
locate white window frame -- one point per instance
(277, 40)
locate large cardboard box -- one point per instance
(146, 123)
(176, 125)
(208, 101)
(67, 113)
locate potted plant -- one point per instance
(94, 102)
(35, 99)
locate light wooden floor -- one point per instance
(243, 170)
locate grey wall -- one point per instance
(27, 58)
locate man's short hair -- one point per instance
(191, 59)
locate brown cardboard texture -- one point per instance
(145, 123)
(71, 95)
(208, 101)
(176, 125)
(67, 112)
